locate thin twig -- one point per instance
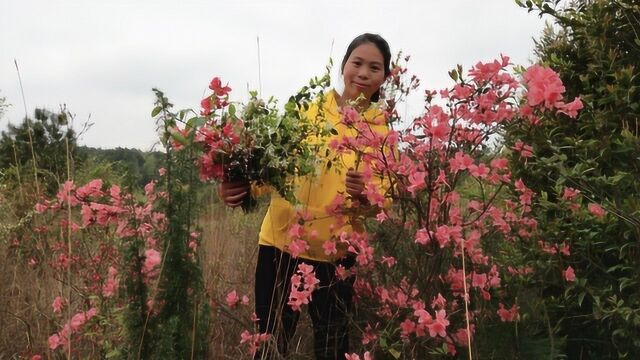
(29, 130)
(69, 236)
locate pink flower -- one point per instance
(381, 216)
(523, 149)
(93, 188)
(54, 341)
(571, 109)
(544, 86)
(58, 304)
(508, 315)
(461, 161)
(36, 357)
(253, 340)
(297, 247)
(232, 299)
(218, 89)
(439, 324)
(205, 104)
(388, 260)
(354, 356)
(303, 283)
(569, 274)
(499, 164)
(40, 208)
(329, 247)
(416, 182)
(570, 193)
(350, 116)
(422, 237)
(596, 210)
(479, 171)
(438, 301)
(407, 327)
(151, 260)
(478, 280)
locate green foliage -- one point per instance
(49, 134)
(595, 49)
(178, 329)
(137, 167)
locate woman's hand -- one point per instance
(355, 185)
(233, 193)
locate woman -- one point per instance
(365, 66)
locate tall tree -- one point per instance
(47, 138)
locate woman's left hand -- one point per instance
(355, 185)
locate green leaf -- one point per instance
(195, 122)
(581, 298)
(232, 110)
(395, 353)
(156, 111)
(179, 138)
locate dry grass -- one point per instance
(228, 260)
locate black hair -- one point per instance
(381, 44)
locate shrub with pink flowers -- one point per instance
(429, 269)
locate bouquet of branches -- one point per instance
(254, 142)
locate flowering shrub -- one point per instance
(87, 228)
(426, 273)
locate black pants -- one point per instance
(328, 308)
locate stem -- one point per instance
(26, 118)
(68, 237)
(466, 300)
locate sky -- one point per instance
(102, 59)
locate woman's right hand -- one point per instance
(233, 193)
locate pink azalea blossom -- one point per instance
(329, 247)
(152, 259)
(58, 304)
(218, 89)
(508, 315)
(571, 109)
(54, 341)
(439, 325)
(544, 86)
(422, 237)
(461, 161)
(416, 182)
(381, 216)
(569, 274)
(232, 299)
(570, 193)
(40, 208)
(596, 210)
(407, 327)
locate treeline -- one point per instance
(138, 167)
(44, 149)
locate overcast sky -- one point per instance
(103, 58)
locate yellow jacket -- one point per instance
(316, 193)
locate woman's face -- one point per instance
(363, 72)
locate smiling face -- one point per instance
(363, 72)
